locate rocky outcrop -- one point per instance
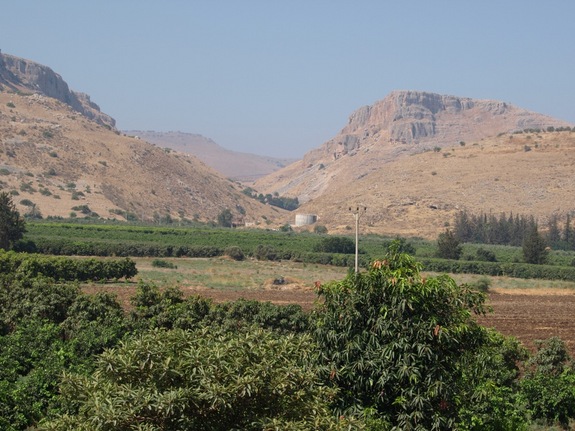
(20, 74)
(413, 117)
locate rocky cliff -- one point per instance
(415, 158)
(422, 120)
(24, 75)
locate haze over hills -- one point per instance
(235, 165)
(58, 157)
(415, 159)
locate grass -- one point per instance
(224, 273)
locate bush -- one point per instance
(235, 253)
(159, 263)
(335, 244)
(203, 379)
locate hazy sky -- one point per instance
(280, 78)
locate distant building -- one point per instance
(305, 219)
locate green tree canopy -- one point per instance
(535, 247)
(207, 379)
(448, 246)
(391, 340)
(225, 218)
(12, 226)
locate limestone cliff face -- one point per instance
(21, 74)
(403, 123)
(419, 120)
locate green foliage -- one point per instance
(275, 200)
(225, 218)
(549, 384)
(235, 253)
(535, 249)
(515, 270)
(335, 244)
(12, 226)
(204, 379)
(448, 246)
(392, 341)
(489, 400)
(160, 263)
(25, 265)
(265, 252)
(485, 255)
(489, 229)
(320, 229)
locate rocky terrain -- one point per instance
(244, 167)
(414, 159)
(58, 158)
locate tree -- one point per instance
(391, 341)
(335, 244)
(535, 248)
(12, 226)
(207, 379)
(225, 218)
(548, 386)
(448, 246)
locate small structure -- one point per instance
(305, 219)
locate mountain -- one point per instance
(235, 165)
(18, 74)
(60, 155)
(414, 159)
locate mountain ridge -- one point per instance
(239, 166)
(57, 161)
(363, 164)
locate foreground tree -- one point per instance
(12, 226)
(207, 379)
(392, 342)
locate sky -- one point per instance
(279, 78)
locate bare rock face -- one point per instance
(413, 117)
(18, 73)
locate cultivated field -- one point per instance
(527, 309)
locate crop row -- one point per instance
(66, 269)
(508, 269)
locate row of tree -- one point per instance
(512, 229)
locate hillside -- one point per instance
(235, 165)
(415, 159)
(55, 160)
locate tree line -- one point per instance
(512, 229)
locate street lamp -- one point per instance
(357, 211)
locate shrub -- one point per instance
(335, 244)
(203, 379)
(159, 263)
(235, 253)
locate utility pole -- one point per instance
(357, 211)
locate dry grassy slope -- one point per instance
(238, 166)
(419, 194)
(45, 147)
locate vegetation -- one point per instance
(384, 349)
(392, 342)
(12, 226)
(448, 246)
(275, 200)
